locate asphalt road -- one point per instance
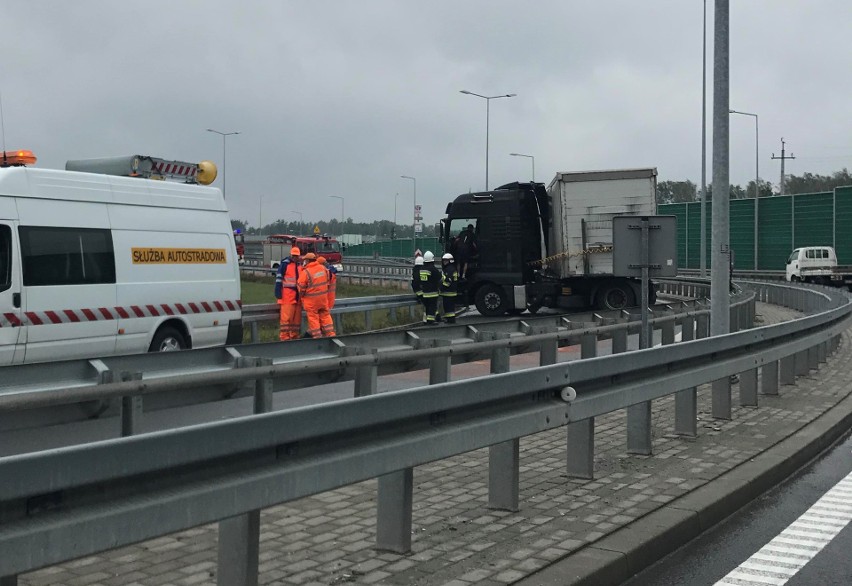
(714, 555)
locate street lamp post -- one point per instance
(414, 225)
(342, 214)
(300, 216)
(487, 116)
(532, 158)
(756, 176)
(224, 135)
(394, 208)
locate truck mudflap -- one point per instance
(519, 297)
(235, 332)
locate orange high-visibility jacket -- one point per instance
(313, 286)
(290, 284)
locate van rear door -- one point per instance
(12, 332)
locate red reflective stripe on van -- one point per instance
(230, 305)
(181, 309)
(71, 315)
(105, 312)
(122, 313)
(167, 309)
(137, 310)
(194, 308)
(219, 306)
(51, 315)
(206, 307)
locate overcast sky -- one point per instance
(341, 98)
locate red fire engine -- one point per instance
(277, 246)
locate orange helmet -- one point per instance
(310, 256)
(321, 260)
(295, 251)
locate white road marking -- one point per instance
(798, 543)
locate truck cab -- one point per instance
(507, 228)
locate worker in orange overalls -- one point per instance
(313, 288)
(287, 293)
(332, 281)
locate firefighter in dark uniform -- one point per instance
(415, 281)
(449, 287)
(430, 282)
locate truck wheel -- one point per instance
(167, 339)
(490, 300)
(614, 296)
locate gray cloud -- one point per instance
(341, 98)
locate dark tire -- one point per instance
(533, 308)
(615, 296)
(168, 339)
(491, 301)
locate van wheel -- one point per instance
(614, 296)
(490, 300)
(168, 339)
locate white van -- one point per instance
(94, 264)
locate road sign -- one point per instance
(627, 246)
(417, 208)
(316, 230)
(418, 228)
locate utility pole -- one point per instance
(783, 157)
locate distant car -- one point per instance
(817, 264)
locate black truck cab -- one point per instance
(508, 224)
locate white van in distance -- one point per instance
(817, 264)
(93, 263)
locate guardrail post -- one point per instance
(503, 458)
(802, 368)
(619, 340)
(549, 349)
(255, 332)
(394, 504)
(639, 425)
(748, 388)
(822, 352)
(366, 376)
(580, 435)
(131, 408)
(769, 378)
(702, 326)
(686, 401)
(813, 357)
(788, 370)
(440, 366)
(239, 536)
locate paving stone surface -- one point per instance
(328, 539)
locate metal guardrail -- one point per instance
(62, 504)
(30, 394)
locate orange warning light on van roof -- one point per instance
(17, 158)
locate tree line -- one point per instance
(685, 191)
(379, 229)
